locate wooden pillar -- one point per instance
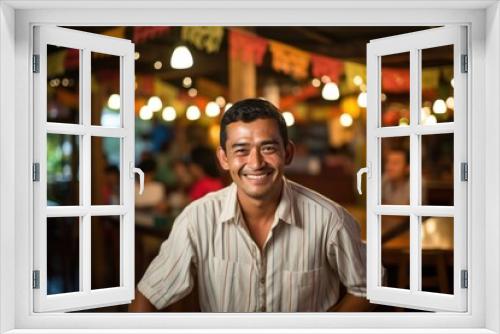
(242, 80)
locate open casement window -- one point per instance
(70, 131)
(428, 215)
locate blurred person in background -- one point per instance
(203, 168)
(154, 195)
(395, 180)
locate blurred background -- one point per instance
(186, 77)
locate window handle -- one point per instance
(360, 173)
(135, 170)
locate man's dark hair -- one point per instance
(204, 157)
(249, 110)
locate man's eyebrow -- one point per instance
(270, 142)
(236, 145)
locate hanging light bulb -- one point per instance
(114, 102)
(345, 120)
(289, 118)
(155, 103)
(228, 105)
(181, 58)
(212, 109)
(145, 113)
(221, 101)
(362, 99)
(330, 91)
(169, 114)
(450, 102)
(439, 106)
(193, 113)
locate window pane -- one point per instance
(105, 80)
(395, 231)
(63, 84)
(395, 171)
(437, 85)
(437, 254)
(105, 252)
(63, 170)
(63, 255)
(395, 89)
(437, 169)
(105, 171)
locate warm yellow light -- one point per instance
(289, 118)
(228, 105)
(330, 91)
(145, 113)
(450, 102)
(221, 101)
(181, 58)
(429, 120)
(362, 99)
(346, 120)
(193, 113)
(187, 82)
(169, 114)
(192, 92)
(358, 80)
(137, 55)
(155, 103)
(439, 106)
(316, 82)
(403, 121)
(114, 102)
(158, 65)
(212, 109)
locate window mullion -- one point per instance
(85, 181)
(415, 253)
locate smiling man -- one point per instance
(264, 243)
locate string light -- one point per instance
(289, 118)
(212, 109)
(181, 58)
(169, 114)
(362, 99)
(155, 103)
(193, 113)
(158, 65)
(187, 82)
(114, 102)
(346, 120)
(145, 113)
(439, 106)
(330, 91)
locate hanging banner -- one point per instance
(351, 70)
(395, 80)
(208, 39)
(145, 84)
(246, 47)
(143, 34)
(290, 60)
(55, 63)
(328, 66)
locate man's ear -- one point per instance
(222, 157)
(289, 152)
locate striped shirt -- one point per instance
(314, 245)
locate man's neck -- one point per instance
(262, 210)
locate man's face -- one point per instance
(255, 157)
(396, 168)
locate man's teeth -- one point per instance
(256, 177)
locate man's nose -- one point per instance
(255, 159)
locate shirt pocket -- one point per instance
(233, 286)
(301, 290)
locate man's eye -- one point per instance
(269, 149)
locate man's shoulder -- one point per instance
(308, 197)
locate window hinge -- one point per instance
(36, 63)
(36, 279)
(464, 279)
(465, 66)
(36, 172)
(464, 171)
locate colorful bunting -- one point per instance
(351, 70)
(246, 47)
(328, 66)
(395, 80)
(204, 38)
(144, 34)
(290, 60)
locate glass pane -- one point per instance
(395, 171)
(63, 84)
(63, 255)
(437, 169)
(437, 254)
(437, 85)
(105, 250)
(105, 171)
(105, 81)
(395, 89)
(395, 231)
(63, 170)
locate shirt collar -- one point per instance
(285, 212)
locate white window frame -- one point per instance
(16, 21)
(86, 43)
(413, 43)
